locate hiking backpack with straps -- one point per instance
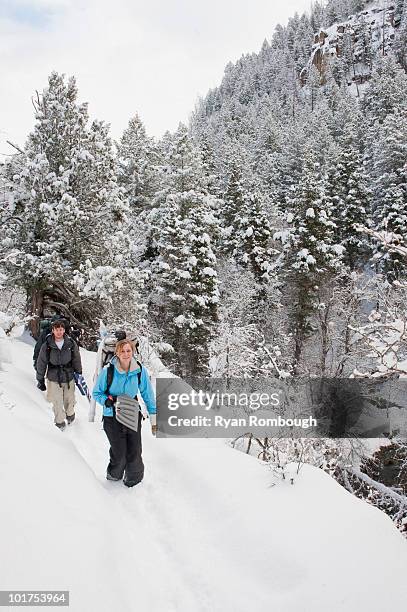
(107, 348)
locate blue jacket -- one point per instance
(124, 383)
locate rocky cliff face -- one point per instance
(351, 45)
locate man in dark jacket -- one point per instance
(46, 330)
(58, 359)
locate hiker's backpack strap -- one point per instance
(110, 374)
(139, 383)
(109, 377)
(47, 339)
(139, 374)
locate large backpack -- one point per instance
(107, 347)
(45, 326)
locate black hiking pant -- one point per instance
(125, 450)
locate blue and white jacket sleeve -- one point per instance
(99, 390)
(146, 391)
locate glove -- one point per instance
(110, 402)
(154, 430)
(41, 385)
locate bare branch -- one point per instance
(15, 146)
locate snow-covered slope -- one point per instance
(205, 530)
(362, 36)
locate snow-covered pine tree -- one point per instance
(347, 190)
(71, 250)
(135, 165)
(184, 230)
(187, 279)
(233, 202)
(317, 16)
(338, 10)
(266, 157)
(107, 272)
(400, 45)
(363, 47)
(253, 233)
(246, 229)
(304, 42)
(182, 163)
(310, 258)
(390, 184)
(208, 158)
(386, 92)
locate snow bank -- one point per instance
(205, 531)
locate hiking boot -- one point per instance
(61, 426)
(130, 483)
(70, 418)
(110, 477)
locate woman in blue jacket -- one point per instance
(125, 444)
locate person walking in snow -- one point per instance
(124, 376)
(58, 359)
(47, 329)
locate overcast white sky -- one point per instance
(153, 57)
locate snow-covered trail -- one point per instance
(205, 530)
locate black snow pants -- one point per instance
(125, 450)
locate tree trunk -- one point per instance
(35, 305)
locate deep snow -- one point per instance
(205, 531)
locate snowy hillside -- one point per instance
(204, 531)
(362, 37)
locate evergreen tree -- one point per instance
(348, 192)
(181, 164)
(390, 182)
(253, 231)
(73, 238)
(339, 10)
(184, 231)
(135, 165)
(246, 228)
(400, 45)
(310, 254)
(186, 279)
(363, 48)
(233, 202)
(317, 17)
(387, 91)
